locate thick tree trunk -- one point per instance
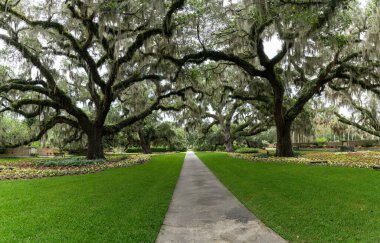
(144, 143)
(228, 141)
(146, 148)
(95, 145)
(284, 146)
(230, 146)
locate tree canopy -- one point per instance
(78, 59)
(99, 67)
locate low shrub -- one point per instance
(347, 149)
(248, 150)
(68, 162)
(34, 154)
(321, 142)
(368, 144)
(29, 171)
(262, 156)
(133, 150)
(155, 150)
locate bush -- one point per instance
(297, 153)
(262, 156)
(248, 150)
(368, 144)
(347, 149)
(68, 162)
(34, 154)
(320, 142)
(203, 148)
(133, 150)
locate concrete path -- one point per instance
(203, 210)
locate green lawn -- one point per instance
(116, 205)
(4, 160)
(305, 203)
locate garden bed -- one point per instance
(62, 167)
(360, 159)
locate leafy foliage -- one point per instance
(321, 141)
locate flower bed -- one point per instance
(39, 170)
(361, 159)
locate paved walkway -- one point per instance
(203, 210)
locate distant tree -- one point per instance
(361, 92)
(234, 118)
(12, 130)
(365, 115)
(220, 105)
(152, 131)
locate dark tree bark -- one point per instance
(146, 148)
(284, 146)
(95, 145)
(228, 140)
(144, 143)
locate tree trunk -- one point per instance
(230, 146)
(228, 141)
(144, 143)
(95, 145)
(146, 148)
(284, 146)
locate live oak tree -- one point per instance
(74, 62)
(319, 45)
(210, 141)
(220, 106)
(235, 121)
(361, 91)
(77, 59)
(364, 118)
(12, 130)
(363, 103)
(152, 131)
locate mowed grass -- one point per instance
(305, 203)
(116, 205)
(6, 160)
